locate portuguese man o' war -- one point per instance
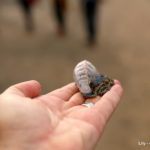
(89, 81)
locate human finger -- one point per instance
(65, 92)
(75, 100)
(27, 89)
(108, 103)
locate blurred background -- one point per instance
(45, 39)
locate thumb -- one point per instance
(27, 89)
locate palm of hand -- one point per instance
(53, 120)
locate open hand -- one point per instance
(54, 121)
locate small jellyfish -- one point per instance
(89, 81)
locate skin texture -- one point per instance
(54, 121)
